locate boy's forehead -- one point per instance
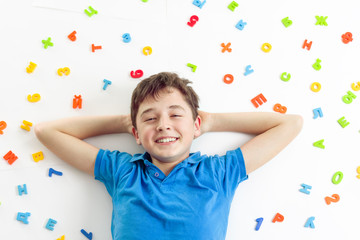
(165, 98)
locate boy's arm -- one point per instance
(64, 137)
(274, 131)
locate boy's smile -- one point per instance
(166, 128)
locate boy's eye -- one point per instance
(149, 119)
(176, 115)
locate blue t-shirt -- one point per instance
(192, 202)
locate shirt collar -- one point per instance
(193, 157)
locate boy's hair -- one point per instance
(151, 86)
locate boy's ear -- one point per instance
(136, 135)
(197, 124)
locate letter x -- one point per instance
(226, 48)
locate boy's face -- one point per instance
(165, 127)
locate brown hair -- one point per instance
(152, 85)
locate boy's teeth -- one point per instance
(164, 140)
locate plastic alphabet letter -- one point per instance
(52, 171)
(317, 65)
(92, 11)
(348, 98)
(34, 98)
(23, 217)
(335, 198)
(38, 156)
(147, 50)
(286, 22)
(22, 190)
(248, 70)
(193, 20)
(355, 87)
(228, 78)
(26, 125)
(72, 36)
(61, 238)
(2, 126)
(307, 45)
(319, 144)
(51, 224)
(64, 70)
(317, 113)
(10, 157)
(106, 83)
(259, 222)
(226, 48)
(358, 171)
(192, 66)
(266, 47)
(337, 177)
(315, 87)
(47, 43)
(347, 37)
(126, 37)
(321, 20)
(305, 188)
(87, 235)
(31, 67)
(233, 5)
(77, 102)
(278, 218)
(280, 109)
(198, 3)
(240, 25)
(342, 121)
(137, 74)
(285, 78)
(93, 47)
(310, 222)
(259, 99)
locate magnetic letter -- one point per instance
(259, 99)
(77, 102)
(259, 222)
(342, 121)
(337, 178)
(355, 87)
(198, 3)
(317, 65)
(2, 126)
(321, 20)
(248, 70)
(10, 157)
(51, 224)
(22, 190)
(310, 222)
(307, 45)
(52, 171)
(286, 22)
(92, 11)
(349, 97)
(240, 25)
(26, 125)
(23, 217)
(193, 67)
(87, 235)
(233, 5)
(278, 218)
(106, 83)
(319, 144)
(305, 188)
(34, 98)
(317, 113)
(285, 78)
(72, 36)
(38, 156)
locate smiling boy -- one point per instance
(168, 192)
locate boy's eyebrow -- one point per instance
(170, 107)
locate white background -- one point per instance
(77, 201)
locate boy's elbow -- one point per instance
(296, 122)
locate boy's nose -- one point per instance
(163, 124)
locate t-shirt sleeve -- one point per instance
(231, 171)
(110, 167)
